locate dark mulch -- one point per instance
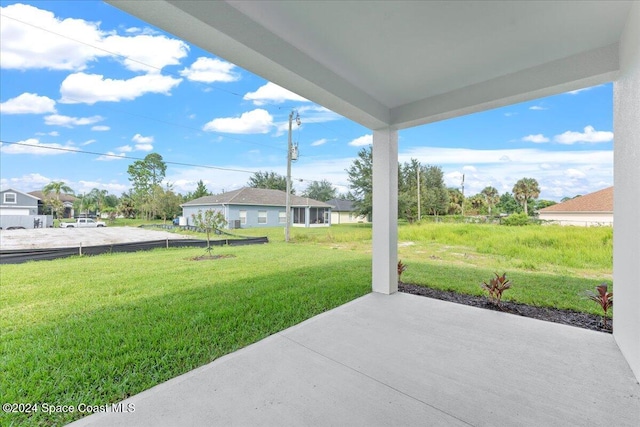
(567, 317)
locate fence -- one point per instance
(24, 255)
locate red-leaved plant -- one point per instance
(401, 268)
(604, 299)
(496, 287)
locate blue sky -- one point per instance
(85, 77)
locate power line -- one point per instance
(216, 87)
(131, 59)
(118, 156)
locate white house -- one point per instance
(344, 212)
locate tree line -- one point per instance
(422, 192)
(149, 199)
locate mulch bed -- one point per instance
(566, 317)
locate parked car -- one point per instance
(83, 223)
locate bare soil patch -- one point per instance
(566, 317)
(211, 257)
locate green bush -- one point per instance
(518, 219)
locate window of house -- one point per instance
(10, 198)
(282, 217)
(299, 215)
(262, 217)
(243, 217)
(318, 215)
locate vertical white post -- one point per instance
(626, 170)
(385, 211)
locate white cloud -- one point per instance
(468, 168)
(144, 147)
(537, 138)
(51, 43)
(28, 182)
(537, 108)
(210, 70)
(69, 122)
(34, 146)
(89, 142)
(574, 174)
(28, 103)
(316, 114)
(362, 141)
(125, 149)
(33, 45)
(92, 88)
(589, 135)
(146, 53)
(109, 156)
(575, 92)
(111, 187)
(319, 142)
(139, 139)
(256, 121)
(510, 114)
(271, 93)
(54, 133)
(100, 128)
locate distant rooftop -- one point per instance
(342, 205)
(255, 196)
(599, 201)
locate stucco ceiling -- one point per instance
(405, 63)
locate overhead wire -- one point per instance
(122, 156)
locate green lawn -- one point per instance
(95, 330)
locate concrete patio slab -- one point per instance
(400, 359)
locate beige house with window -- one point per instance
(593, 209)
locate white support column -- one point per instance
(385, 211)
(626, 225)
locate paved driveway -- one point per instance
(45, 238)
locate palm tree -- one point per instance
(526, 189)
(57, 187)
(491, 197)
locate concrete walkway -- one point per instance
(402, 360)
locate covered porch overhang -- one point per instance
(394, 65)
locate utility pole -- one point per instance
(289, 159)
(463, 196)
(288, 201)
(418, 179)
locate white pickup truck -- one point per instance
(83, 223)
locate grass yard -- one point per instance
(95, 330)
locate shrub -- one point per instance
(401, 268)
(518, 219)
(604, 299)
(496, 287)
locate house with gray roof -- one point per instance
(20, 210)
(592, 209)
(259, 207)
(344, 211)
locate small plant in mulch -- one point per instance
(604, 299)
(401, 268)
(496, 287)
(209, 221)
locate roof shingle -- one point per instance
(599, 201)
(255, 196)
